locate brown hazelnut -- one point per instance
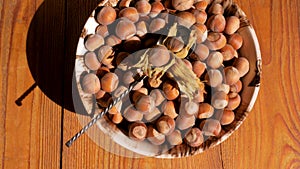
(119, 91)
(174, 44)
(104, 55)
(199, 68)
(215, 60)
(182, 5)
(158, 96)
(130, 13)
(141, 28)
(201, 52)
(215, 41)
(205, 111)
(232, 75)
(138, 131)
(186, 19)
(91, 61)
(93, 42)
(242, 65)
(216, 23)
(201, 32)
(132, 115)
(90, 83)
(175, 138)
(117, 118)
(106, 15)
(153, 115)
(145, 104)
(159, 56)
(109, 82)
(199, 96)
(201, 5)
(191, 108)
(165, 125)
(214, 77)
(138, 85)
(168, 109)
(112, 40)
(227, 117)
(102, 71)
(124, 3)
(200, 16)
(100, 94)
(143, 7)
(232, 25)
(156, 25)
(154, 82)
(228, 52)
(125, 29)
(223, 88)
(233, 103)
(236, 41)
(184, 122)
(170, 91)
(211, 127)
(156, 8)
(237, 87)
(216, 9)
(219, 100)
(194, 137)
(154, 136)
(102, 30)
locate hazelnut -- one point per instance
(199, 68)
(223, 88)
(186, 19)
(91, 61)
(232, 75)
(214, 77)
(216, 23)
(159, 56)
(188, 64)
(102, 71)
(124, 3)
(158, 96)
(219, 100)
(175, 138)
(106, 15)
(117, 118)
(201, 5)
(191, 108)
(141, 28)
(154, 136)
(138, 131)
(131, 114)
(182, 5)
(93, 42)
(109, 82)
(170, 91)
(237, 87)
(128, 77)
(201, 32)
(119, 91)
(232, 25)
(156, 25)
(215, 60)
(130, 13)
(236, 41)
(125, 29)
(211, 127)
(216, 9)
(102, 30)
(145, 104)
(184, 122)
(205, 111)
(227, 117)
(201, 52)
(165, 125)
(228, 52)
(174, 44)
(143, 7)
(132, 44)
(242, 65)
(104, 55)
(168, 109)
(194, 137)
(200, 16)
(153, 115)
(156, 8)
(138, 86)
(233, 103)
(112, 40)
(90, 83)
(154, 82)
(215, 41)
(199, 96)
(100, 94)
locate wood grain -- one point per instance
(32, 135)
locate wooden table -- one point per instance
(38, 42)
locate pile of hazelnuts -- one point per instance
(155, 111)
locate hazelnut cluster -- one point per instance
(155, 110)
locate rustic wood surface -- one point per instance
(37, 47)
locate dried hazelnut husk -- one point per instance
(186, 19)
(156, 8)
(216, 23)
(216, 9)
(102, 30)
(91, 61)
(90, 83)
(106, 15)
(145, 104)
(158, 96)
(131, 114)
(125, 29)
(232, 25)
(152, 115)
(214, 77)
(165, 125)
(215, 41)
(130, 13)
(199, 68)
(232, 75)
(112, 40)
(201, 32)
(219, 100)
(168, 109)
(156, 25)
(228, 52)
(205, 111)
(174, 44)
(242, 65)
(109, 82)
(215, 60)
(143, 7)
(93, 42)
(211, 127)
(234, 102)
(201, 52)
(138, 131)
(154, 136)
(200, 16)
(236, 41)
(201, 5)
(159, 56)
(184, 122)
(175, 138)
(194, 137)
(170, 90)
(182, 5)
(141, 28)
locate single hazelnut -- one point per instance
(174, 44)
(201, 5)
(132, 115)
(201, 32)
(191, 108)
(117, 118)
(182, 5)
(170, 90)
(188, 64)
(132, 44)
(106, 15)
(143, 7)
(138, 85)
(211, 127)
(138, 93)
(90, 83)
(125, 29)
(214, 77)
(219, 100)
(102, 30)
(216, 9)
(91, 61)
(215, 60)
(109, 82)
(199, 68)
(199, 96)
(128, 77)
(237, 87)
(156, 8)
(158, 96)
(165, 125)
(227, 117)
(236, 41)
(223, 88)
(159, 56)
(93, 42)
(228, 52)
(153, 115)
(174, 138)
(168, 109)
(145, 104)
(112, 40)
(216, 23)
(138, 131)
(105, 55)
(141, 28)
(233, 103)
(100, 94)
(201, 52)
(119, 91)
(232, 75)
(232, 25)
(186, 19)
(156, 25)
(215, 41)
(194, 137)
(130, 13)
(205, 111)
(242, 65)
(154, 82)
(124, 3)
(184, 122)
(154, 136)
(200, 16)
